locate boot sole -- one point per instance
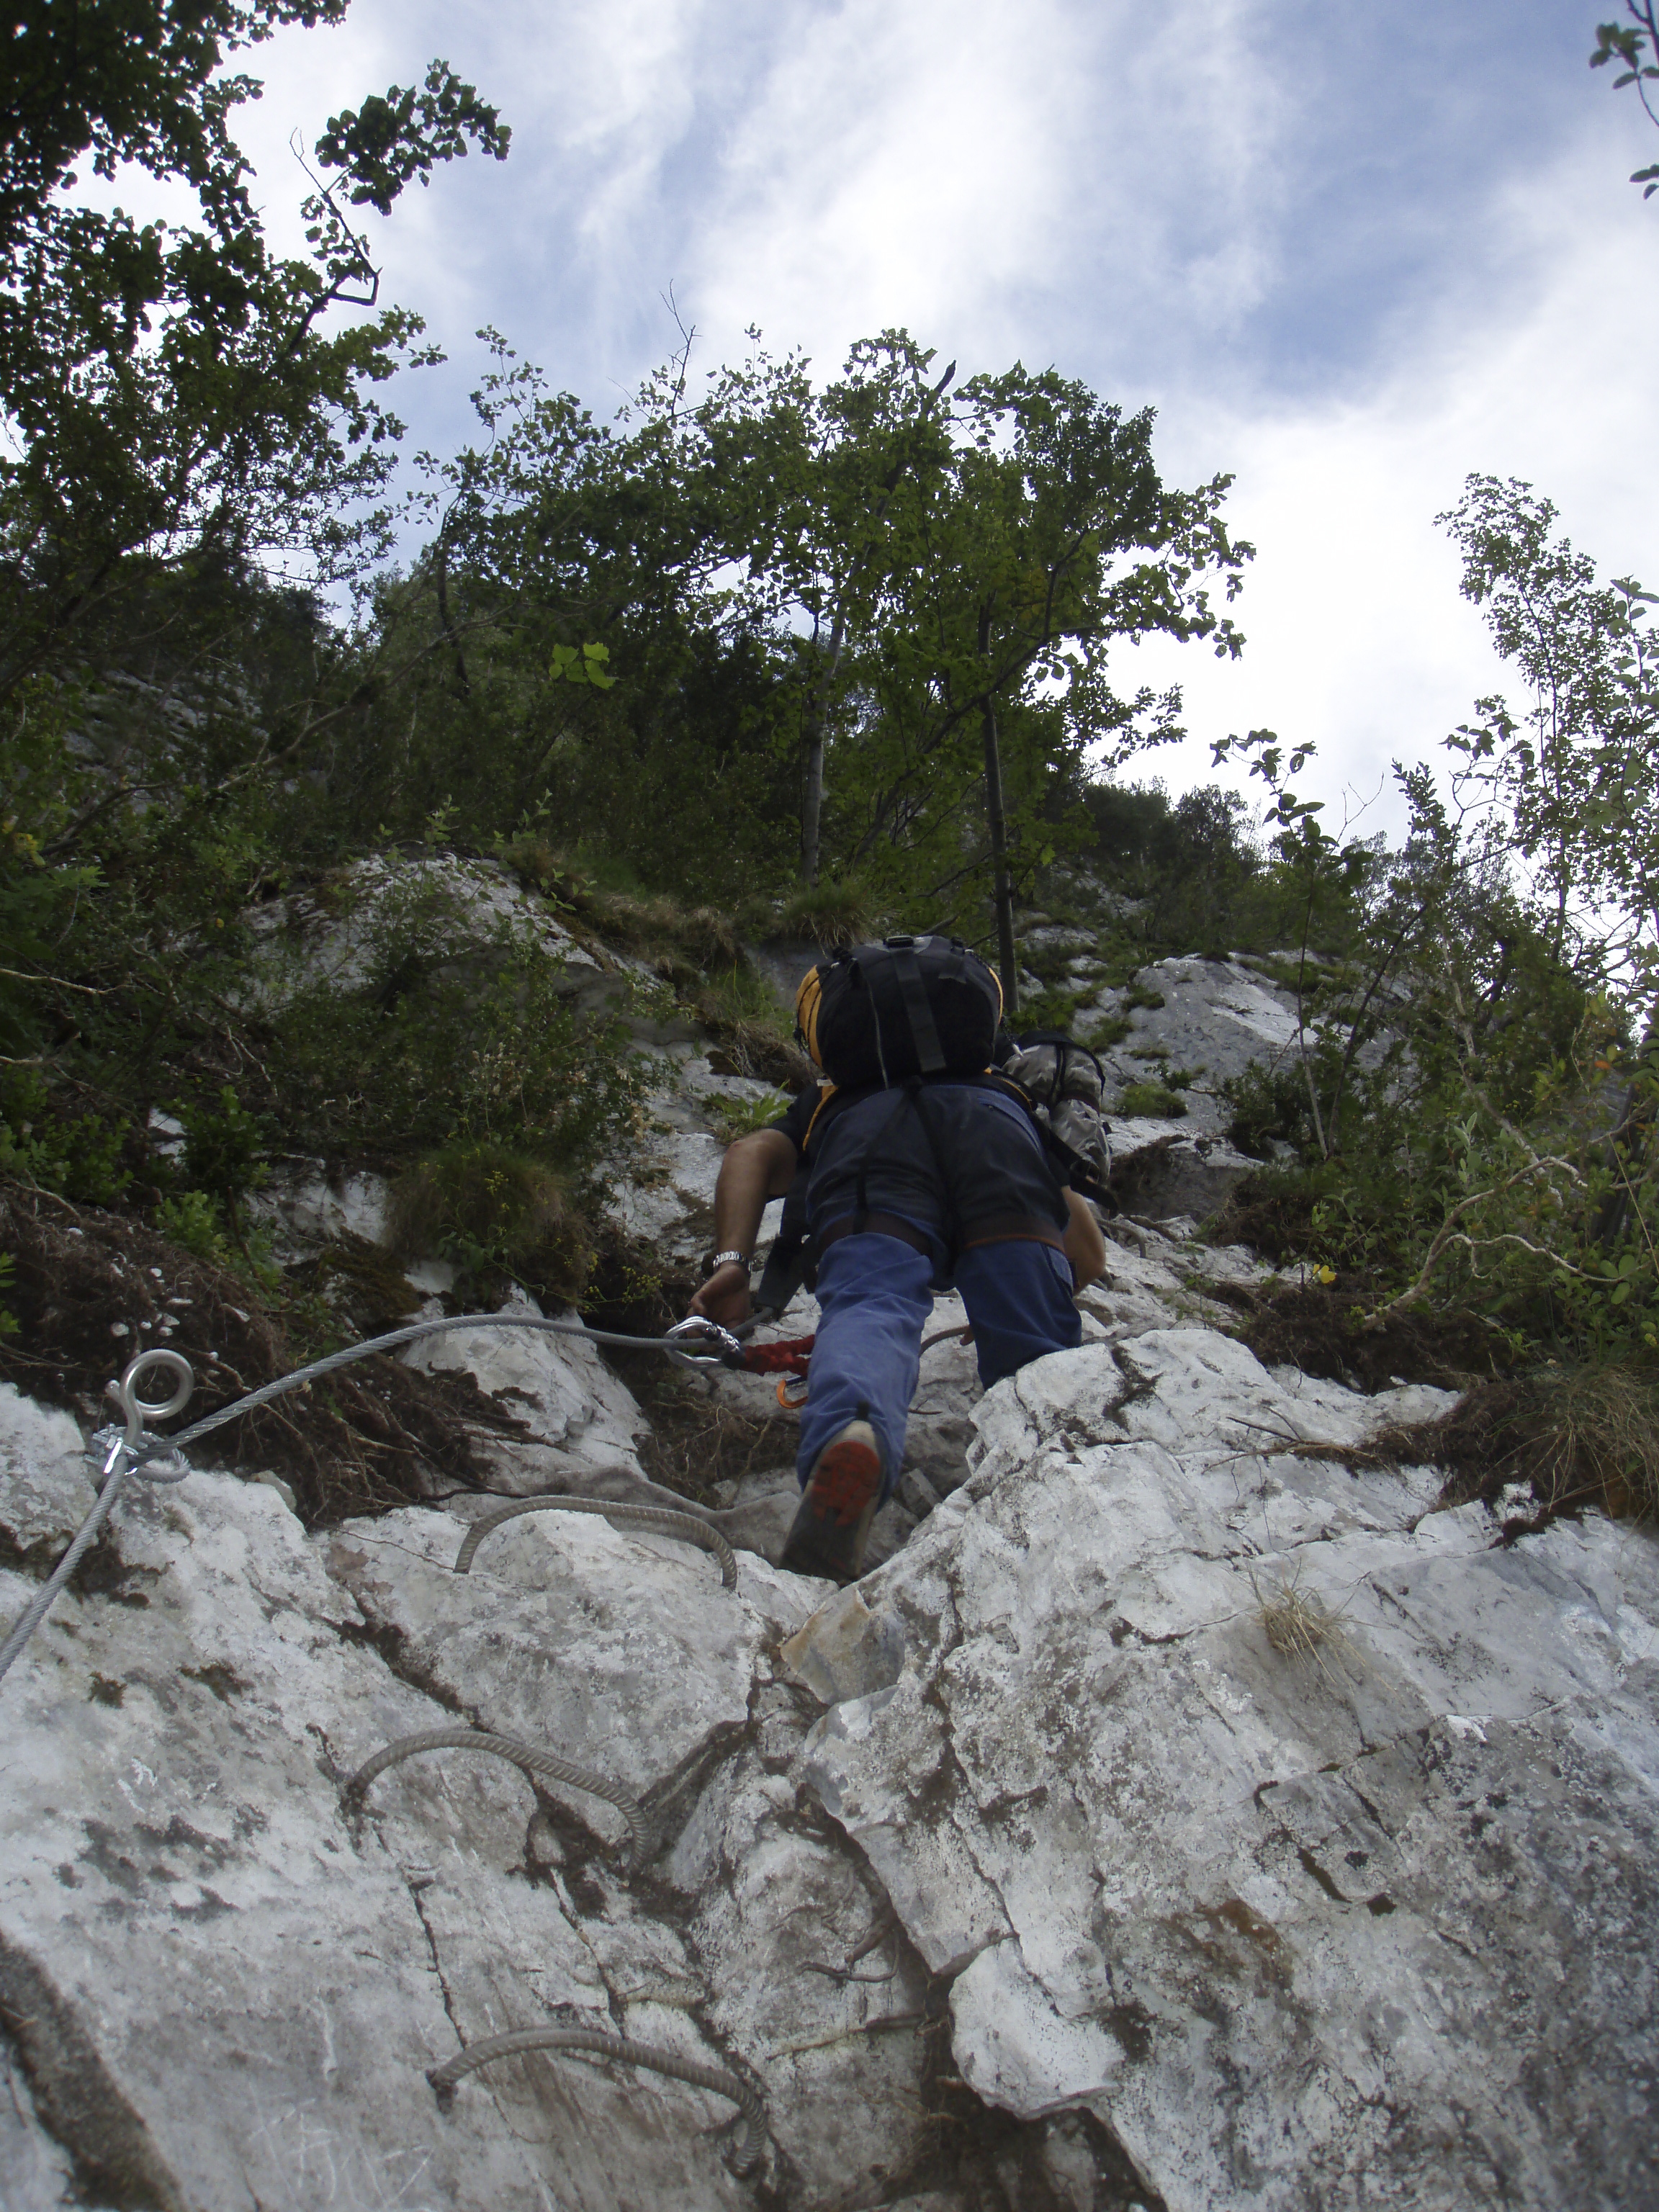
(828, 1535)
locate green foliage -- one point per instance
(452, 1041)
(226, 1151)
(1109, 1030)
(829, 913)
(479, 1205)
(1634, 45)
(193, 1219)
(741, 1117)
(78, 1156)
(9, 1322)
(1574, 779)
(1048, 1010)
(1150, 1101)
(568, 665)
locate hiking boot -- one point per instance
(828, 1535)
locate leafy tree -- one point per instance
(1051, 536)
(170, 393)
(1635, 44)
(1577, 774)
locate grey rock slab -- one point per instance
(845, 1650)
(1150, 1846)
(558, 1386)
(309, 1203)
(243, 1983)
(1162, 1170)
(46, 1487)
(178, 1883)
(617, 1650)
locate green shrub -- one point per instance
(452, 1041)
(1048, 1010)
(830, 914)
(1150, 1101)
(193, 1219)
(226, 1151)
(78, 1156)
(480, 1206)
(741, 1117)
(1109, 1030)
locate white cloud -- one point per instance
(1154, 200)
(1358, 637)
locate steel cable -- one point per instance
(126, 1456)
(412, 1334)
(528, 1760)
(444, 2078)
(663, 1520)
(130, 1454)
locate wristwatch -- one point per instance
(711, 1260)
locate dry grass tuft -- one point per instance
(1579, 1436)
(1299, 1625)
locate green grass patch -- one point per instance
(1150, 1101)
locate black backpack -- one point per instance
(905, 1008)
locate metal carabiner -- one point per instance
(705, 1363)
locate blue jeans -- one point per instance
(875, 1295)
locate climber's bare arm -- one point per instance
(756, 1167)
(1086, 1248)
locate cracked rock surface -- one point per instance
(1028, 1874)
(1374, 1925)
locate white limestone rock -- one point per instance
(576, 1412)
(224, 1988)
(1274, 1922)
(46, 1482)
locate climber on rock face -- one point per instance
(922, 1167)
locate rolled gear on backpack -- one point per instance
(908, 1007)
(1065, 1085)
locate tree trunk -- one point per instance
(997, 822)
(812, 811)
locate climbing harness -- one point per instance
(132, 1452)
(443, 2078)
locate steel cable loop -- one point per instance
(443, 2078)
(122, 1461)
(662, 1520)
(641, 1828)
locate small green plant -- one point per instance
(479, 1205)
(1149, 1102)
(1110, 1030)
(1143, 999)
(9, 1322)
(1048, 1010)
(829, 914)
(77, 1155)
(225, 1153)
(193, 1219)
(741, 1117)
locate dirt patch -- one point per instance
(91, 1289)
(1323, 1329)
(1576, 1437)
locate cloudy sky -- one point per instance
(1349, 253)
